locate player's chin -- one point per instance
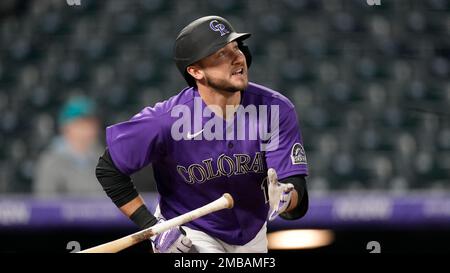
(240, 83)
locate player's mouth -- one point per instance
(238, 72)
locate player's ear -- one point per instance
(195, 71)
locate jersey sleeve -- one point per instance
(287, 155)
(136, 143)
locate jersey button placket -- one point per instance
(230, 145)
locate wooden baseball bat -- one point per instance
(224, 202)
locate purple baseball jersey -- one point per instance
(197, 169)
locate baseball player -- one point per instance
(194, 165)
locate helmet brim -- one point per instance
(216, 46)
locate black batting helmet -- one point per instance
(202, 38)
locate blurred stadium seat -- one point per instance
(370, 84)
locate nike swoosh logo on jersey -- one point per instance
(191, 136)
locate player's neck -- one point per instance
(221, 99)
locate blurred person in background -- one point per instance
(66, 166)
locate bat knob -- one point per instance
(229, 199)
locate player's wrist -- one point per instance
(143, 218)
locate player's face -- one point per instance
(226, 69)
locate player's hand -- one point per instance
(173, 240)
(279, 194)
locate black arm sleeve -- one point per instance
(121, 190)
(300, 210)
(117, 186)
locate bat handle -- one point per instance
(224, 202)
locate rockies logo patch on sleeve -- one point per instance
(298, 155)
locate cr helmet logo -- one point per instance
(298, 155)
(216, 26)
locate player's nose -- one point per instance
(238, 57)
